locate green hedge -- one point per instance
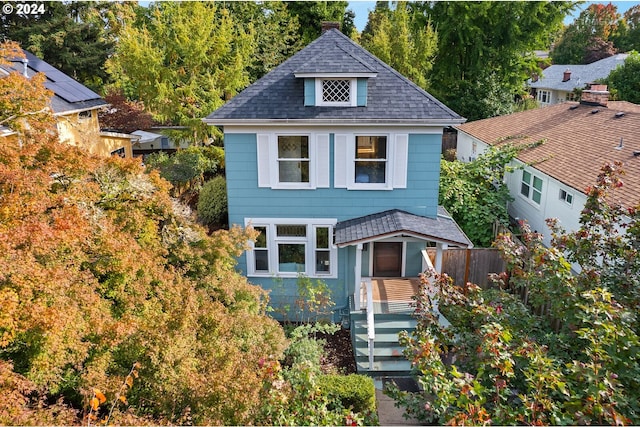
(356, 391)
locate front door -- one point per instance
(387, 259)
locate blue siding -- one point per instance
(246, 199)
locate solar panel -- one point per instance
(65, 92)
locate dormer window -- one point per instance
(336, 91)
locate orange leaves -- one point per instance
(98, 394)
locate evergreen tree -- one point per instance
(66, 36)
(401, 40)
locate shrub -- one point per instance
(351, 391)
(212, 204)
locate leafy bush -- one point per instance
(186, 168)
(212, 203)
(350, 391)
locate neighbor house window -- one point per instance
(567, 197)
(544, 96)
(371, 160)
(293, 158)
(289, 247)
(531, 187)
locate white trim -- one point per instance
(253, 128)
(273, 241)
(330, 75)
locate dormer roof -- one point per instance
(278, 97)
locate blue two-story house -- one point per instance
(334, 157)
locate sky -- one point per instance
(362, 8)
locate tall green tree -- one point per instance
(311, 14)
(398, 37)
(274, 29)
(628, 35)
(625, 80)
(483, 43)
(71, 36)
(183, 61)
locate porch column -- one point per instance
(440, 248)
(357, 277)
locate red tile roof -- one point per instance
(578, 140)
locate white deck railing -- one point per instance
(371, 324)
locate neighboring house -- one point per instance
(578, 139)
(76, 109)
(334, 157)
(559, 82)
(153, 140)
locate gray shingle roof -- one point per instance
(279, 95)
(392, 222)
(580, 74)
(69, 94)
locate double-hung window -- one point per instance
(531, 187)
(371, 159)
(289, 247)
(288, 161)
(293, 158)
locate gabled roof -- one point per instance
(69, 94)
(278, 97)
(395, 222)
(581, 74)
(577, 142)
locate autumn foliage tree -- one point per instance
(568, 354)
(101, 270)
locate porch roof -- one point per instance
(396, 222)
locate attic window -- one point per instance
(84, 114)
(336, 92)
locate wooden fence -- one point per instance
(471, 265)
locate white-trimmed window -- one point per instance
(531, 187)
(293, 158)
(289, 247)
(336, 92)
(544, 96)
(566, 196)
(371, 161)
(293, 161)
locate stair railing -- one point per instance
(371, 325)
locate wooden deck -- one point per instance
(394, 295)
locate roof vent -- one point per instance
(636, 153)
(595, 111)
(25, 61)
(620, 114)
(573, 107)
(621, 145)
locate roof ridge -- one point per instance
(395, 72)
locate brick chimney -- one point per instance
(566, 76)
(595, 95)
(328, 25)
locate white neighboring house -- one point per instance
(558, 82)
(578, 139)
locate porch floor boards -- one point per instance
(394, 295)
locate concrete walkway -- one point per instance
(388, 413)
